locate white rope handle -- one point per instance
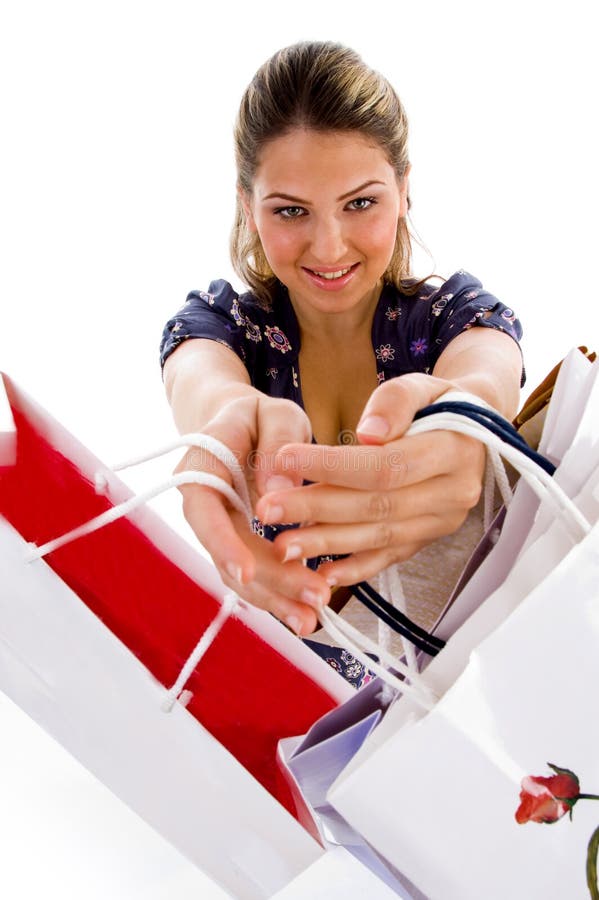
(205, 442)
(230, 601)
(544, 486)
(237, 496)
(394, 590)
(341, 630)
(127, 506)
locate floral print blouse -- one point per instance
(409, 333)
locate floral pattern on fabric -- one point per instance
(439, 305)
(385, 352)
(419, 347)
(252, 332)
(277, 338)
(343, 662)
(236, 313)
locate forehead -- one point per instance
(313, 159)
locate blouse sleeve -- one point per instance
(462, 303)
(213, 314)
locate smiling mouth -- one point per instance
(331, 276)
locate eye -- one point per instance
(361, 203)
(290, 212)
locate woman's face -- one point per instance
(326, 207)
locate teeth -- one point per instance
(330, 275)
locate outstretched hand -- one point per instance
(254, 428)
(381, 500)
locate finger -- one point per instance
(328, 540)
(393, 405)
(251, 567)
(280, 422)
(292, 592)
(364, 566)
(299, 616)
(212, 523)
(327, 503)
(296, 582)
(406, 461)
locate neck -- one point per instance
(337, 327)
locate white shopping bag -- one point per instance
(567, 413)
(84, 840)
(61, 665)
(337, 875)
(436, 794)
(438, 798)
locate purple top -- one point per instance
(409, 333)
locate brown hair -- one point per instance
(322, 86)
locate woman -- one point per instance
(315, 374)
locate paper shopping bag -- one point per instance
(158, 597)
(566, 411)
(337, 875)
(439, 797)
(146, 588)
(310, 764)
(529, 651)
(73, 676)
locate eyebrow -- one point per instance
(357, 190)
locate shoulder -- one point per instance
(414, 325)
(262, 338)
(220, 296)
(461, 303)
(463, 300)
(463, 296)
(440, 291)
(215, 313)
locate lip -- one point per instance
(327, 284)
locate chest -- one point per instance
(335, 388)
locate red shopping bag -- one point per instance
(256, 684)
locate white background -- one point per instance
(116, 199)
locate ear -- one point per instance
(404, 193)
(247, 209)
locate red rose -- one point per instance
(547, 799)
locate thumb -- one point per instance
(393, 405)
(280, 422)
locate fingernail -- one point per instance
(294, 623)
(273, 513)
(279, 483)
(293, 551)
(374, 425)
(311, 598)
(234, 572)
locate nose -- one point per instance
(328, 241)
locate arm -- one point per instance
(209, 390)
(199, 378)
(399, 493)
(487, 363)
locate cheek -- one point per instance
(380, 236)
(280, 243)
